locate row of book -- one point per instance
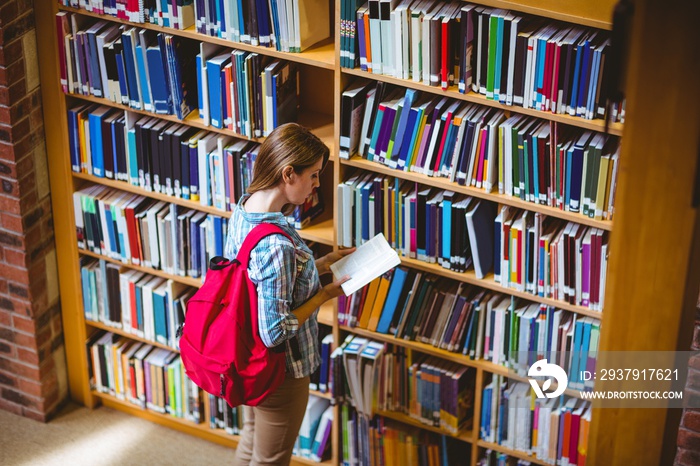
(495, 458)
(179, 15)
(526, 251)
(136, 67)
(509, 57)
(480, 324)
(376, 377)
(160, 156)
(146, 376)
(247, 93)
(316, 429)
(288, 26)
(472, 145)
(168, 158)
(553, 429)
(383, 441)
(224, 417)
(135, 302)
(137, 230)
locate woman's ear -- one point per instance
(288, 174)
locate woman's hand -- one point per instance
(324, 263)
(333, 290)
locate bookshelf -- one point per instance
(650, 290)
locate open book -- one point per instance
(368, 262)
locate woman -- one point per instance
(286, 171)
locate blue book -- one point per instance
(85, 284)
(446, 252)
(215, 67)
(392, 298)
(217, 224)
(576, 352)
(585, 346)
(376, 129)
(121, 72)
(159, 84)
(480, 218)
(96, 146)
(409, 135)
(160, 319)
(575, 83)
(73, 138)
(408, 100)
(539, 78)
(143, 78)
(128, 38)
(499, 59)
(584, 76)
(200, 87)
(194, 173)
(365, 192)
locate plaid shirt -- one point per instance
(286, 276)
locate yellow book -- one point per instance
(369, 302)
(416, 147)
(378, 304)
(602, 185)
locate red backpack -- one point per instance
(220, 345)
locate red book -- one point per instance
(131, 230)
(573, 442)
(444, 68)
(132, 301)
(555, 78)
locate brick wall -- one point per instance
(688, 453)
(32, 356)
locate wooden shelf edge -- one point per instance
(193, 282)
(443, 183)
(326, 313)
(320, 55)
(513, 453)
(594, 125)
(130, 336)
(464, 436)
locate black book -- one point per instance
(421, 221)
(156, 157)
(107, 143)
(177, 155)
(382, 90)
(118, 128)
(503, 86)
(167, 157)
(143, 147)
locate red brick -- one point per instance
(688, 439)
(29, 357)
(23, 324)
(20, 26)
(9, 380)
(10, 53)
(25, 340)
(8, 204)
(21, 369)
(14, 93)
(11, 222)
(21, 109)
(25, 163)
(29, 387)
(15, 274)
(57, 325)
(7, 349)
(32, 414)
(16, 258)
(3, 287)
(10, 407)
(8, 12)
(12, 73)
(691, 420)
(5, 318)
(22, 143)
(5, 116)
(687, 457)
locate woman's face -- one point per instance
(301, 185)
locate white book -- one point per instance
(368, 262)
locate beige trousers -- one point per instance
(271, 428)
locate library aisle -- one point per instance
(80, 437)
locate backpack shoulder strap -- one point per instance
(254, 237)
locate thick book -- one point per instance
(368, 262)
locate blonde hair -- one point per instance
(288, 145)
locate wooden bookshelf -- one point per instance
(651, 289)
(452, 92)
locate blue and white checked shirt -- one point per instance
(286, 276)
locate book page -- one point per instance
(369, 261)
